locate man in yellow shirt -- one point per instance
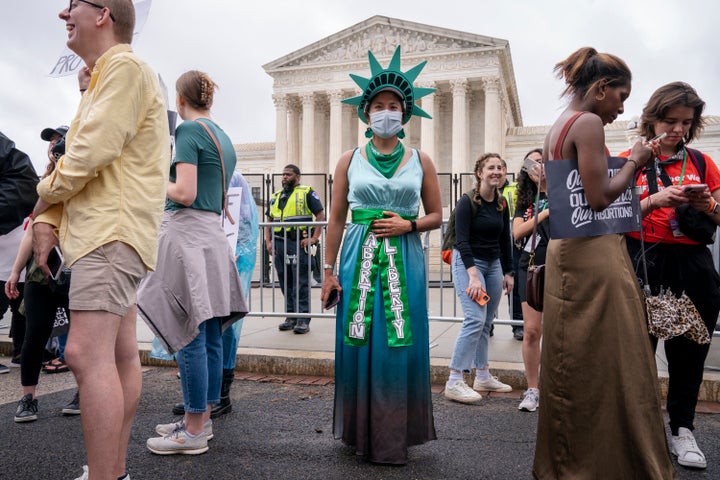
(107, 196)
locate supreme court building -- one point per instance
(475, 108)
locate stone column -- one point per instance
(460, 160)
(362, 128)
(281, 131)
(307, 160)
(427, 125)
(493, 115)
(293, 132)
(336, 129)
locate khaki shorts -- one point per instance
(106, 279)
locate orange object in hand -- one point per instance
(482, 299)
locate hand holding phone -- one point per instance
(482, 299)
(55, 262)
(531, 167)
(694, 188)
(332, 299)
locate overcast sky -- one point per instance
(662, 41)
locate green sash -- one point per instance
(383, 258)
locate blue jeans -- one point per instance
(471, 346)
(200, 364)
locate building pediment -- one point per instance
(381, 35)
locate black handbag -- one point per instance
(695, 224)
(692, 223)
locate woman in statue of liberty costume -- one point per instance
(382, 362)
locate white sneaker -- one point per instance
(530, 401)
(460, 392)
(84, 476)
(685, 447)
(166, 429)
(178, 442)
(492, 384)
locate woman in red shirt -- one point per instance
(674, 260)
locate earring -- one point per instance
(401, 134)
(368, 133)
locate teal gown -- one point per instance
(382, 394)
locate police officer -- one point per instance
(292, 245)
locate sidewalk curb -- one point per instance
(322, 364)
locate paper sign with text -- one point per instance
(68, 63)
(572, 217)
(234, 195)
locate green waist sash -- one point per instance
(375, 258)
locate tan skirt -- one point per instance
(599, 401)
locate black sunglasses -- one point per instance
(70, 7)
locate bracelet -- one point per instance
(637, 165)
(650, 207)
(413, 225)
(329, 266)
(712, 205)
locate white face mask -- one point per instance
(386, 123)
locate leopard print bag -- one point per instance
(670, 316)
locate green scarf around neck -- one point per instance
(386, 164)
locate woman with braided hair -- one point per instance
(195, 292)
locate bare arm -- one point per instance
(336, 223)
(523, 228)
(432, 202)
(23, 255)
(586, 142)
(184, 190)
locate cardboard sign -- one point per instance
(572, 217)
(234, 195)
(68, 63)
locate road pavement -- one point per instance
(281, 428)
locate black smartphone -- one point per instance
(333, 299)
(55, 262)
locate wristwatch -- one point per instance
(716, 208)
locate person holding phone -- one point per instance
(481, 264)
(529, 204)
(41, 299)
(383, 403)
(679, 175)
(598, 378)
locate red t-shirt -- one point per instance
(656, 226)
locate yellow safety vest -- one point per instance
(296, 209)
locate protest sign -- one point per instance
(234, 195)
(572, 217)
(68, 63)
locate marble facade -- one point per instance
(475, 108)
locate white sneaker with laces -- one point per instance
(178, 442)
(460, 392)
(166, 429)
(685, 447)
(530, 401)
(492, 384)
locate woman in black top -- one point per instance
(482, 267)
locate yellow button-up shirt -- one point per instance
(113, 176)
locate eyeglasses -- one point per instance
(71, 6)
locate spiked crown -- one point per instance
(392, 78)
